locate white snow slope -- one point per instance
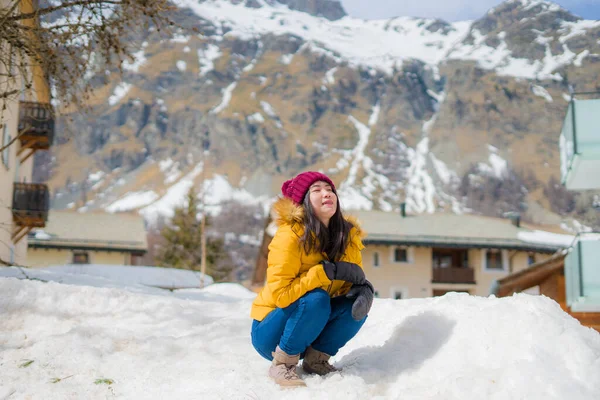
(79, 342)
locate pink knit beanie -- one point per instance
(297, 187)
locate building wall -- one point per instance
(11, 170)
(9, 119)
(15, 171)
(413, 278)
(45, 257)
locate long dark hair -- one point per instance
(332, 240)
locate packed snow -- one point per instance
(63, 341)
(139, 59)
(579, 59)
(132, 201)
(286, 59)
(206, 58)
(96, 176)
(541, 92)
(330, 76)
(420, 189)
(227, 92)
(174, 196)
(119, 93)
(350, 196)
(268, 109)
(256, 118)
(179, 38)
(442, 170)
(217, 191)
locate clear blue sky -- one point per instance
(450, 10)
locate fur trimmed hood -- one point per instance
(286, 212)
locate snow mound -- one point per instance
(107, 342)
(230, 289)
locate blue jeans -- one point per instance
(314, 320)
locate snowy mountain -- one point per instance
(458, 117)
(78, 341)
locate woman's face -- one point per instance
(323, 201)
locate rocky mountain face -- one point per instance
(461, 117)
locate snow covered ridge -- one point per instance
(385, 44)
(380, 44)
(61, 341)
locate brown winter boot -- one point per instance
(316, 362)
(283, 369)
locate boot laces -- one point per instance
(326, 365)
(290, 372)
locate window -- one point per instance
(530, 259)
(5, 141)
(81, 258)
(398, 293)
(400, 255)
(493, 260)
(450, 258)
(376, 259)
(442, 260)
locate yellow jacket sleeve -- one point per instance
(284, 279)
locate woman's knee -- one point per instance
(261, 344)
(317, 301)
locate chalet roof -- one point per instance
(94, 230)
(530, 277)
(453, 230)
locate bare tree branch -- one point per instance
(64, 44)
(7, 145)
(9, 12)
(87, 34)
(49, 10)
(9, 93)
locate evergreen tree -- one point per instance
(182, 246)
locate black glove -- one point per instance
(364, 299)
(344, 271)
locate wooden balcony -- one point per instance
(36, 127)
(31, 202)
(453, 275)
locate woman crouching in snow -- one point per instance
(316, 297)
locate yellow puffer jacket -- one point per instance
(291, 272)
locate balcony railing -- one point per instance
(453, 275)
(36, 125)
(580, 145)
(31, 202)
(582, 275)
